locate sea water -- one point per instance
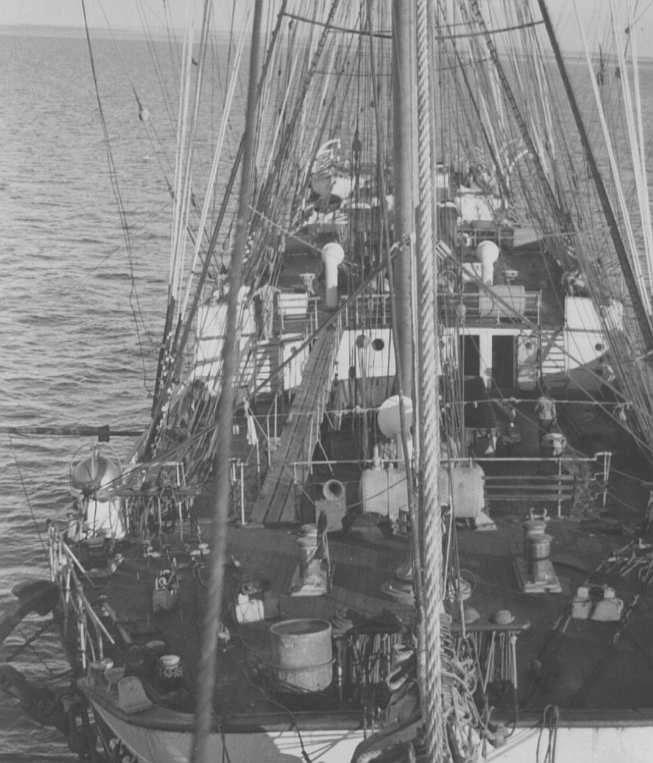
(72, 283)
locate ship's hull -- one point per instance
(592, 742)
(173, 745)
(589, 740)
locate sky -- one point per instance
(126, 14)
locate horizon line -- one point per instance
(62, 30)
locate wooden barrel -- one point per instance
(302, 654)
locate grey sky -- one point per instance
(125, 14)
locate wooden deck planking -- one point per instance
(276, 501)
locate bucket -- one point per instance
(302, 654)
(170, 671)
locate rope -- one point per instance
(632, 246)
(550, 718)
(177, 347)
(134, 301)
(156, 143)
(637, 146)
(26, 494)
(219, 143)
(429, 400)
(517, 113)
(152, 48)
(271, 699)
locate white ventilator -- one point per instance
(487, 253)
(332, 255)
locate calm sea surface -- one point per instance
(70, 350)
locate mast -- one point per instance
(202, 751)
(640, 309)
(403, 83)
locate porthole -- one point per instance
(378, 344)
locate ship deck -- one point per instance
(585, 667)
(580, 665)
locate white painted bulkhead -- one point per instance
(369, 351)
(560, 354)
(210, 333)
(293, 352)
(585, 341)
(485, 335)
(257, 358)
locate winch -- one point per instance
(534, 570)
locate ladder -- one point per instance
(553, 356)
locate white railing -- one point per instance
(599, 477)
(89, 630)
(375, 310)
(369, 310)
(500, 309)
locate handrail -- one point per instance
(602, 459)
(498, 309)
(63, 573)
(374, 310)
(460, 459)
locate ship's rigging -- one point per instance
(319, 163)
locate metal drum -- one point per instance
(302, 654)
